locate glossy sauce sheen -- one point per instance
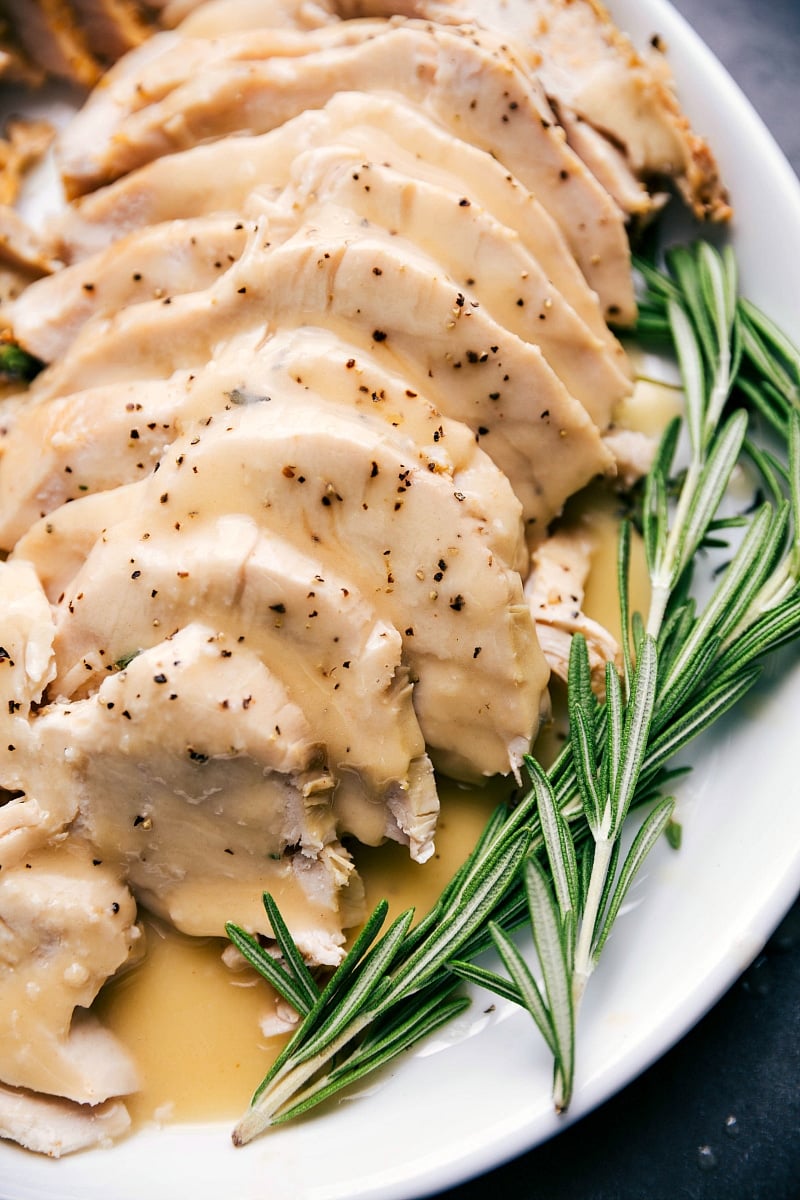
(193, 1025)
(193, 1028)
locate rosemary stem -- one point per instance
(716, 402)
(561, 1095)
(775, 592)
(664, 572)
(583, 951)
(289, 1081)
(659, 598)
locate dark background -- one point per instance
(718, 1118)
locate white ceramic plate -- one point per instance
(480, 1093)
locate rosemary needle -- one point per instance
(554, 862)
(618, 748)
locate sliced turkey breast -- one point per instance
(26, 661)
(434, 67)
(484, 256)
(463, 617)
(53, 1126)
(320, 637)
(336, 269)
(145, 754)
(28, 821)
(64, 448)
(386, 129)
(608, 164)
(101, 767)
(160, 261)
(60, 450)
(222, 176)
(58, 546)
(366, 504)
(145, 79)
(214, 18)
(554, 590)
(218, 177)
(593, 74)
(479, 253)
(360, 378)
(594, 70)
(67, 925)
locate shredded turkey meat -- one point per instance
(325, 326)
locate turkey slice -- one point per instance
(436, 68)
(27, 666)
(593, 74)
(114, 435)
(483, 255)
(159, 261)
(335, 269)
(64, 448)
(554, 590)
(339, 663)
(365, 503)
(480, 254)
(353, 375)
(370, 454)
(168, 61)
(53, 1126)
(213, 18)
(66, 925)
(56, 547)
(157, 746)
(222, 176)
(100, 768)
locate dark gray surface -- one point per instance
(759, 43)
(718, 1118)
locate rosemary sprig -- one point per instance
(554, 861)
(388, 983)
(688, 663)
